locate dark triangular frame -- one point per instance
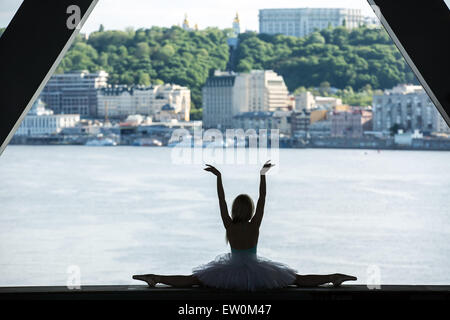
(31, 48)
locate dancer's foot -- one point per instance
(151, 279)
(338, 278)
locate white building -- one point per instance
(307, 101)
(227, 94)
(372, 22)
(122, 101)
(41, 121)
(303, 21)
(409, 108)
(266, 91)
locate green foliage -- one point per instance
(1, 31)
(363, 97)
(361, 58)
(167, 55)
(196, 114)
(339, 56)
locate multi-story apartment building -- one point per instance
(74, 92)
(347, 124)
(121, 101)
(300, 122)
(227, 93)
(307, 101)
(257, 120)
(41, 121)
(407, 107)
(266, 91)
(303, 21)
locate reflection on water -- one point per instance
(118, 211)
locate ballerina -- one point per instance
(242, 268)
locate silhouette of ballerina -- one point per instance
(243, 269)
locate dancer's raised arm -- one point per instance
(221, 194)
(257, 218)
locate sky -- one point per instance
(120, 14)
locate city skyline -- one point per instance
(143, 14)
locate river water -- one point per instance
(110, 212)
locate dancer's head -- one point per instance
(242, 209)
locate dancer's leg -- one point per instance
(174, 281)
(314, 280)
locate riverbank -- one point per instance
(426, 144)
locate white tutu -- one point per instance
(244, 270)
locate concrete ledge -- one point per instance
(162, 293)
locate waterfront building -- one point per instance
(219, 100)
(258, 120)
(320, 129)
(266, 91)
(74, 92)
(307, 101)
(226, 94)
(318, 115)
(406, 107)
(304, 101)
(168, 113)
(41, 121)
(329, 103)
(304, 21)
(366, 119)
(347, 124)
(121, 101)
(300, 122)
(406, 138)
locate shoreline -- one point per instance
(368, 148)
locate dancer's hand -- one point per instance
(212, 169)
(266, 167)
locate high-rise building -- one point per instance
(304, 21)
(266, 91)
(74, 92)
(41, 121)
(406, 107)
(219, 95)
(122, 101)
(300, 122)
(227, 93)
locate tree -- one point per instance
(358, 58)
(142, 50)
(324, 88)
(144, 79)
(315, 37)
